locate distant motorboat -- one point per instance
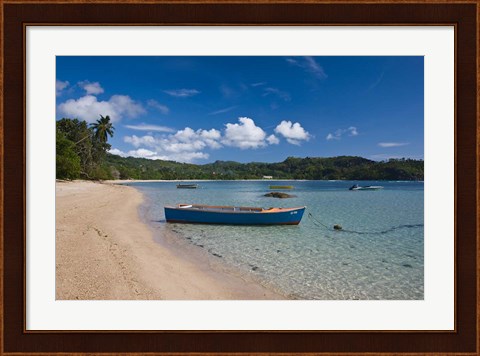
(232, 215)
(367, 187)
(187, 186)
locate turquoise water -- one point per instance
(383, 258)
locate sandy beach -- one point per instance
(104, 252)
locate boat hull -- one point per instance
(368, 188)
(187, 186)
(195, 216)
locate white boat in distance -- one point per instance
(367, 187)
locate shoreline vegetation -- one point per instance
(105, 252)
(292, 168)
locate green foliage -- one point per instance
(89, 146)
(67, 161)
(102, 172)
(313, 168)
(103, 128)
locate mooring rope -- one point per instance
(317, 222)
(338, 228)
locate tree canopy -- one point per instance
(313, 168)
(103, 128)
(81, 149)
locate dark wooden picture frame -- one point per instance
(15, 15)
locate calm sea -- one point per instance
(379, 256)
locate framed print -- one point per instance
(158, 226)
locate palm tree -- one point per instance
(103, 128)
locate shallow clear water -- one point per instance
(382, 259)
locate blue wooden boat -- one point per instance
(231, 215)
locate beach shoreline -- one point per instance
(104, 251)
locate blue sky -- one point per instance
(262, 109)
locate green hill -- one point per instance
(342, 167)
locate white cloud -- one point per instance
(182, 93)
(277, 92)
(392, 144)
(59, 86)
(146, 127)
(377, 82)
(116, 151)
(244, 135)
(188, 144)
(310, 65)
(315, 68)
(185, 135)
(210, 134)
(258, 84)
(273, 140)
(125, 105)
(88, 108)
(221, 111)
(211, 137)
(352, 131)
(183, 146)
(190, 140)
(294, 133)
(148, 154)
(186, 140)
(91, 88)
(155, 104)
(143, 153)
(186, 157)
(136, 141)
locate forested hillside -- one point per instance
(344, 167)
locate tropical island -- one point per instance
(128, 126)
(82, 153)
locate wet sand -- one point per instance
(105, 252)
